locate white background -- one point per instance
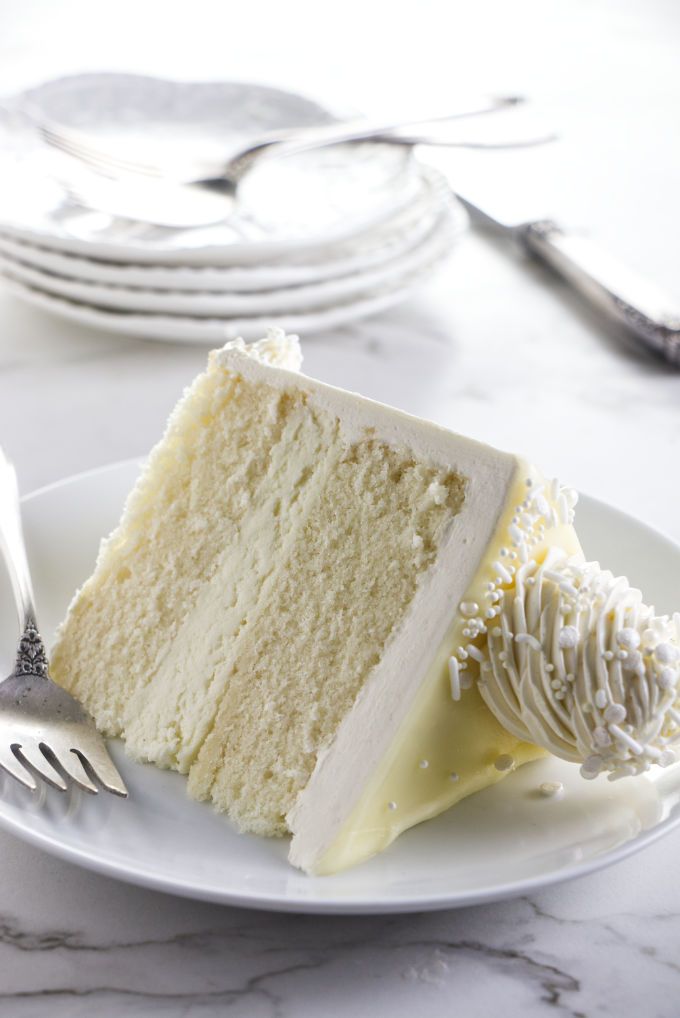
(493, 347)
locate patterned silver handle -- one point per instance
(624, 296)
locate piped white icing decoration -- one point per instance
(580, 665)
(567, 656)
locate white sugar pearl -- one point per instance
(615, 713)
(568, 637)
(628, 638)
(665, 653)
(667, 678)
(591, 766)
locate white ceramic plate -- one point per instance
(298, 204)
(392, 239)
(288, 299)
(501, 842)
(193, 329)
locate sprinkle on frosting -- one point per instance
(454, 678)
(551, 789)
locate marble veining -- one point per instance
(529, 951)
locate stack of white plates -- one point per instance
(315, 241)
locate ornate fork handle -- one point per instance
(43, 729)
(31, 656)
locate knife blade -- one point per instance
(650, 315)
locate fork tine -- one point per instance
(76, 152)
(103, 768)
(80, 148)
(71, 764)
(13, 767)
(32, 754)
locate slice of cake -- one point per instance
(301, 595)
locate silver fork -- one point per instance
(142, 188)
(43, 729)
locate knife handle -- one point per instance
(624, 296)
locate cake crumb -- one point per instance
(437, 493)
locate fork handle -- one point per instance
(303, 139)
(12, 544)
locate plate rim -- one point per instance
(345, 905)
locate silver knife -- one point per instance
(650, 315)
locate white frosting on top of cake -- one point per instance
(277, 349)
(577, 663)
(357, 415)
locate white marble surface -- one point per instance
(493, 347)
